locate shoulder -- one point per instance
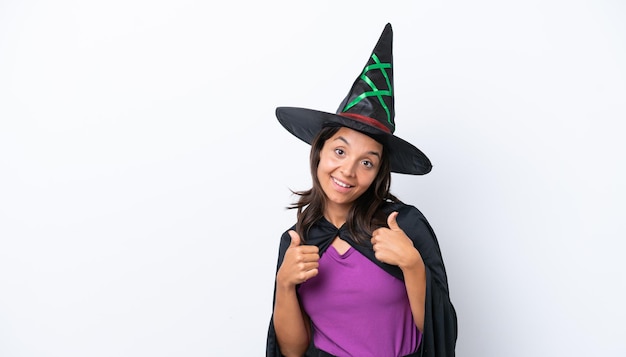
(285, 240)
(413, 222)
(404, 211)
(285, 237)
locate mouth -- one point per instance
(341, 183)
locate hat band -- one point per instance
(367, 120)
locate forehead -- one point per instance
(354, 137)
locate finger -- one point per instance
(310, 266)
(310, 274)
(309, 257)
(378, 256)
(309, 249)
(391, 221)
(295, 239)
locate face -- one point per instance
(349, 162)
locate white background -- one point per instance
(143, 174)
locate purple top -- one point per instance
(357, 309)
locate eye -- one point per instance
(339, 151)
(367, 164)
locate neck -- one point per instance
(336, 215)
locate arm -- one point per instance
(392, 246)
(440, 321)
(290, 322)
(415, 282)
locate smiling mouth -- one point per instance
(342, 184)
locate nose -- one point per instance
(348, 168)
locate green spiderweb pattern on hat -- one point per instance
(375, 92)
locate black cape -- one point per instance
(440, 321)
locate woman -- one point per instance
(360, 273)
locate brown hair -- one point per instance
(364, 216)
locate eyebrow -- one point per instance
(376, 153)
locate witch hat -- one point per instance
(368, 108)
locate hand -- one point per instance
(299, 264)
(392, 246)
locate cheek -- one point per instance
(319, 171)
(368, 178)
(322, 168)
(325, 164)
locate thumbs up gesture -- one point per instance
(392, 246)
(299, 264)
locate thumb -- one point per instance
(295, 239)
(391, 221)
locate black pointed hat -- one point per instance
(367, 108)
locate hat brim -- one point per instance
(305, 124)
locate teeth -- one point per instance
(341, 183)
